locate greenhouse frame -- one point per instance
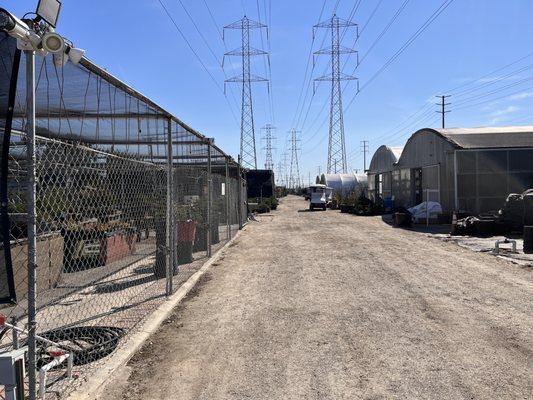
(129, 203)
(464, 169)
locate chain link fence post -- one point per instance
(31, 219)
(239, 193)
(169, 225)
(228, 191)
(209, 197)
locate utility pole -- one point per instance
(268, 137)
(443, 110)
(295, 169)
(364, 149)
(247, 150)
(336, 142)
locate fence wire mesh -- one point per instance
(129, 203)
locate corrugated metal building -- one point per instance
(470, 169)
(380, 171)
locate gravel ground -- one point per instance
(323, 305)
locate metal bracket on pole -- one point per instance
(32, 286)
(209, 190)
(169, 220)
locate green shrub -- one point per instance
(262, 208)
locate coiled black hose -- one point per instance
(86, 343)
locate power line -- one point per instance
(404, 47)
(266, 63)
(406, 122)
(214, 21)
(298, 115)
(490, 73)
(384, 31)
(196, 55)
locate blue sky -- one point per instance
(137, 42)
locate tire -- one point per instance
(323, 208)
(310, 207)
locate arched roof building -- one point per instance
(380, 171)
(469, 169)
(345, 183)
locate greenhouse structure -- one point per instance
(129, 201)
(464, 169)
(345, 184)
(380, 172)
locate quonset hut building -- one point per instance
(467, 169)
(380, 172)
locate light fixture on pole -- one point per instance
(48, 11)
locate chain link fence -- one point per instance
(129, 203)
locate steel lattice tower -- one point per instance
(279, 176)
(294, 175)
(268, 137)
(247, 149)
(336, 142)
(285, 169)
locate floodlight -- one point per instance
(53, 43)
(49, 10)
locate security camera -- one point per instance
(14, 26)
(27, 39)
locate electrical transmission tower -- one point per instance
(336, 142)
(279, 175)
(285, 169)
(247, 150)
(294, 177)
(268, 137)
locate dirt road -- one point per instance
(323, 305)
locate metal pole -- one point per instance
(228, 209)
(239, 193)
(209, 197)
(169, 226)
(443, 113)
(16, 342)
(30, 149)
(427, 207)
